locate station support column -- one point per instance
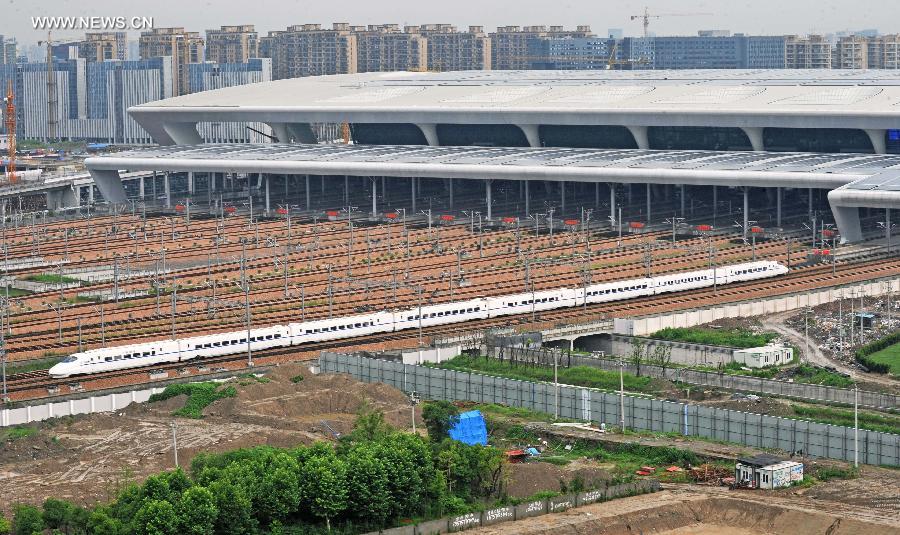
(268, 206)
(167, 187)
(612, 200)
(488, 200)
(649, 200)
(778, 207)
(374, 197)
(527, 197)
(746, 210)
(308, 201)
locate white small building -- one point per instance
(759, 357)
(767, 472)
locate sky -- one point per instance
(684, 17)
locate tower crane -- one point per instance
(52, 121)
(11, 131)
(646, 16)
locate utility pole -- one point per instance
(622, 396)
(175, 441)
(245, 285)
(556, 383)
(856, 425)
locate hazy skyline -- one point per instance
(753, 17)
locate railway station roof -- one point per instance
(859, 99)
(738, 168)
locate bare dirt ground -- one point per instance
(86, 459)
(699, 510)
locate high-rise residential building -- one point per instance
(513, 47)
(101, 46)
(310, 50)
(811, 52)
(884, 52)
(385, 47)
(851, 52)
(452, 50)
(183, 47)
(93, 97)
(232, 44)
(5, 46)
(210, 75)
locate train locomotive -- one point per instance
(294, 334)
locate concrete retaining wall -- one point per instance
(525, 510)
(641, 326)
(682, 352)
(90, 405)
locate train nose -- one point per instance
(59, 371)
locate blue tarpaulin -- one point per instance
(470, 429)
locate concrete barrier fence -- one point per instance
(529, 509)
(642, 326)
(89, 405)
(641, 414)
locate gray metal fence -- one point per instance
(745, 383)
(756, 430)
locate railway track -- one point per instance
(37, 384)
(497, 282)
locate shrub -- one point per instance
(200, 395)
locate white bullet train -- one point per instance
(292, 334)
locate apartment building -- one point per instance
(851, 52)
(514, 47)
(452, 50)
(811, 52)
(386, 47)
(884, 52)
(310, 50)
(102, 46)
(232, 44)
(183, 47)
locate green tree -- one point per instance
(440, 417)
(59, 514)
(324, 487)
(27, 519)
(100, 523)
(156, 517)
(369, 426)
(197, 512)
(368, 485)
(278, 488)
(235, 508)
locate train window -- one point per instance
(278, 335)
(108, 359)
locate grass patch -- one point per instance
(576, 375)
(819, 376)
(886, 423)
(15, 292)
(736, 337)
(50, 278)
(31, 366)
(296, 378)
(200, 396)
(250, 378)
(17, 432)
(889, 356)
